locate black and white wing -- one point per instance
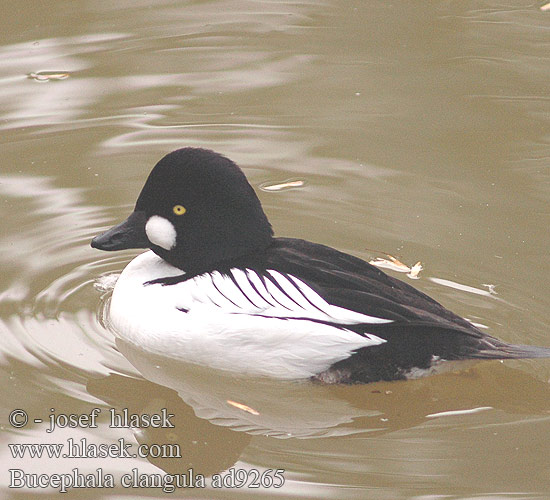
(274, 294)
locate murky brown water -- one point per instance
(421, 129)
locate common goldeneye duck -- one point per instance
(217, 289)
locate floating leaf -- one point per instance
(46, 76)
(240, 406)
(288, 184)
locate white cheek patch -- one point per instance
(161, 232)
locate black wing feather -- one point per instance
(352, 283)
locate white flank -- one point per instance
(161, 232)
(273, 325)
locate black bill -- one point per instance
(127, 234)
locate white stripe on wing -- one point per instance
(274, 295)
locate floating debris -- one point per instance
(396, 265)
(288, 184)
(46, 76)
(491, 288)
(477, 325)
(240, 406)
(545, 7)
(463, 288)
(392, 263)
(415, 270)
(453, 413)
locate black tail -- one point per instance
(511, 351)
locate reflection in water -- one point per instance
(205, 447)
(25, 105)
(213, 434)
(303, 409)
(33, 244)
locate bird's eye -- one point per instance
(179, 209)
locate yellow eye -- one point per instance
(179, 209)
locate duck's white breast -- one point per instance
(239, 323)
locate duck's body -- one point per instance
(219, 290)
(218, 319)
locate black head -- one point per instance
(196, 209)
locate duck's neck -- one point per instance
(194, 263)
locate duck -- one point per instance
(216, 288)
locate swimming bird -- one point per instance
(216, 288)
